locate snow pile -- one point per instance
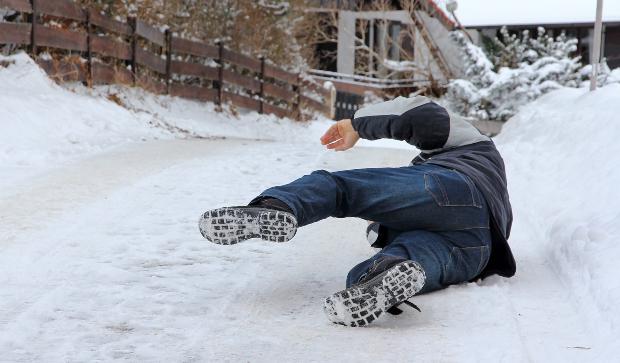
(614, 76)
(188, 118)
(562, 156)
(604, 77)
(44, 123)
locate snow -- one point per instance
(278, 8)
(569, 152)
(526, 69)
(72, 125)
(78, 124)
(474, 13)
(101, 259)
(24, 130)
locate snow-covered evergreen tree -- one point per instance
(511, 49)
(521, 70)
(604, 77)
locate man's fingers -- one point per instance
(331, 142)
(327, 136)
(336, 144)
(330, 135)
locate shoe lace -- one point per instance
(394, 310)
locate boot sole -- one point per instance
(231, 225)
(362, 304)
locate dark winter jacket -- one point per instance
(448, 140)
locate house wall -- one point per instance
(441, 37)
(612, 46)
(583, 33)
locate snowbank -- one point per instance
(188, 118)
(44, 123)
(198, 119)
(562, 156)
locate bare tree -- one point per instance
(258, 27)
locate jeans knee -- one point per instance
(340, 189)
(328, 175)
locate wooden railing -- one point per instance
(95, 49)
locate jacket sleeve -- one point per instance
(418, 121)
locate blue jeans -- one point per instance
(434, 215)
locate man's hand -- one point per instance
(340, 136)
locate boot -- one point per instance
(268, 219)
(389, 282)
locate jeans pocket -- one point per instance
(465, 263)
(450, 188)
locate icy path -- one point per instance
(102, 260)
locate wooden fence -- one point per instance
(100, 50)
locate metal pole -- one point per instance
(596, 55)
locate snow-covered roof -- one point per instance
(473, 13)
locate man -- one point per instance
(442, 220)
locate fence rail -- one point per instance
(92, 48)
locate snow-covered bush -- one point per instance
(604, 77)
(521, 70)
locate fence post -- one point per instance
(134, 71)
(89, 55)
(168, 58)
(33, 37)
(220, 73)
(297, 104)
(332, 102)
(262, 84)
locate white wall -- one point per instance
(441, 37)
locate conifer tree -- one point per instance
(521, 69)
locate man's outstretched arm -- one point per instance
(418, 121)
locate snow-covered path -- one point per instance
(102, 260)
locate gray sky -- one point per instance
(507, 12)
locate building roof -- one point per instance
(486, 13)
(434, 8)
